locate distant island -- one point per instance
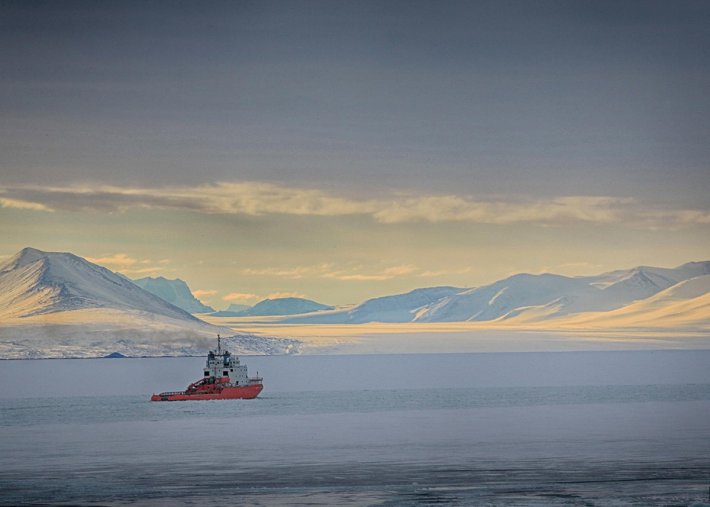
(115, 355)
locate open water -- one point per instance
(581, 428)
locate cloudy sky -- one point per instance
(344, 150)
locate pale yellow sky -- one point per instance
(242, 245)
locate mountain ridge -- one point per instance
(68, 282)
(522, 296)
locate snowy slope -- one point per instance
(659, 276)
(35, 282)
(684, 305)
(397, 308)
(520, 298)
(283, 306)
(498, 299)
(527, 297)
(175, 292)
(594, 294)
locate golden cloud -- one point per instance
(348, 273)
(259, 198)
(21, 204)
(202, 293)
(131, 266)
(240, 296)
(119, 260)
(279, 295)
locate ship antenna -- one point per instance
(219, 345)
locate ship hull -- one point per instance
(227, 393)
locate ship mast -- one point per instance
(219, 345)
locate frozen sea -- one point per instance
(566, 428)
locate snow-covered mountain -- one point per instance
(659, 276)
(175, 292)
(493, 301)
(35, 283)
(522, 298)
(397, 308)
(283, 306)
(60, 305)
(536, 297)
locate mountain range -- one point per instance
(549, 296)
(397, 308)
(528, 298)
(61, 305)
(521, 298)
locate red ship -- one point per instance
(225, 378)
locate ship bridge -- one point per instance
(221, 363)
